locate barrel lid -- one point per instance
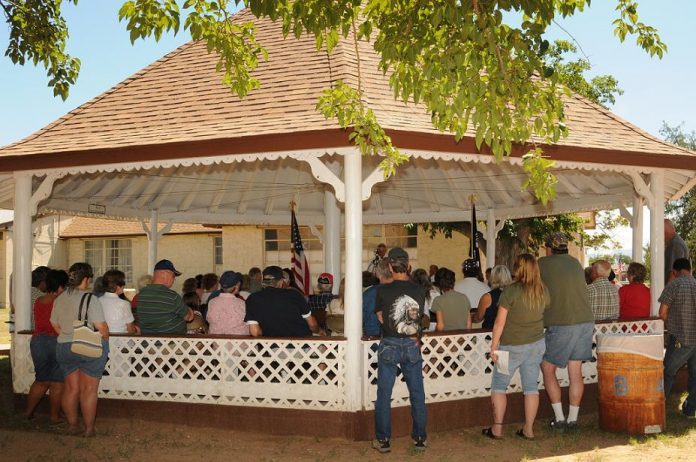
(648, 345)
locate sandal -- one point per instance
(488, 432)
(521, 434)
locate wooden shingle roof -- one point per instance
(82, 227)
(177, 107)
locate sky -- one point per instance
(654, 90)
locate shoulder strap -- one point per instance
(82, 302)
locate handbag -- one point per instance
(86, 341)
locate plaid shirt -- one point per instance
(680, 297)
(604, 299)
(320, 301)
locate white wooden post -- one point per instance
(637, 226)
(152, 238)
(491, 233)
(657, 238)
(353, 291)
(21, 251)
(332, 238)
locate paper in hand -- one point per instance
(503, 361)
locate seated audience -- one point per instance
(634, 297)
(420, 277)
(255, 277)
(371, 325)
(48, 375)
(226, 312)
(117, 312)
(196, 325)
(319, 302)
(471, 286)
(143, 281)
(335, 311)
(278, 312)
(488, 305)
(603, 296)
(160, 309)
(451, 308)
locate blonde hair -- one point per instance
(500, 277)
(526, 272)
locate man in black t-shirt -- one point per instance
(277, 311)
(399, 307)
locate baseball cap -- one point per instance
(325, 278)
(229, 279)
(272, 272)
(557, 241)
(397, 253)
(168, 266)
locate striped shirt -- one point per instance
(161, 311)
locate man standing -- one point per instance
(675, 248)
(380, 252)
(678, 310)
(399, 307)
(276, 311)
(471, 286)
(160, 309)
(604, 298)
(371, 325)
(569, 327)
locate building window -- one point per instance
(391, 235)
(217, 249)
(106, 254)
(277, 247)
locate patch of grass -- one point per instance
(82, 443)
(126, 451)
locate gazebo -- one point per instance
(172, 144)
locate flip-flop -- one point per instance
(521, 434)
(488, 432)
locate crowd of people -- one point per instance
(541, 315)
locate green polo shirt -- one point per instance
(161, 311)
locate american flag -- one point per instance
(300, 265)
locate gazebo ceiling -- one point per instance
(172, 138)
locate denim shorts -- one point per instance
(526, 358)
(71, 362)
(569, 343)
(43, 353)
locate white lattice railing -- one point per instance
(287, 373)
(455, 365)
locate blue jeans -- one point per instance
(675, 358)
(405, 353)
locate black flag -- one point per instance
(474, 249)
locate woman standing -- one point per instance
(82, 374)
(488, 305)
(49, 377)
(519, 330)
(118, 313)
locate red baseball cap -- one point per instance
(325, 278)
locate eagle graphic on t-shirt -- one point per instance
(405, 315)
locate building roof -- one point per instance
(101, 227)
(172, 138)
(178, 106)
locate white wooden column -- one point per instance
(21, 251)
(353, 292)
(332, 238)
(657, 238)
(491, 233)
(637, 227)
(152, 239)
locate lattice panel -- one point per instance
(297, 374)
(300, 374)
(455, 366)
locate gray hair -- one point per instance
(602, 268)
(383, 270)
(500, 277)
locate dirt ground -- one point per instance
(137, 440)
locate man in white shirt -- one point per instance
(470, 285)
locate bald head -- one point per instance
(601, 269)
(670, 232)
